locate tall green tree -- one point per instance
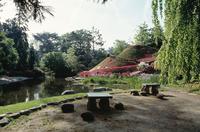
(83, 42)
(14, 31)
(8, 54)
(32, 57)
(180, 52)
(144, 35)
(72, 60)
(49, 42)
(119, 46)
(57, 63)
(149, 36)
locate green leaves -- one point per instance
(180, 53)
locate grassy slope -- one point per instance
(126, 57)
(22, 106)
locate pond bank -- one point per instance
(4, 81)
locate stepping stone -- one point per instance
(160, 96)
(52, 103)
(2, 116)
(43, 105)
(33, 109)
(87, 116)
(119, 106)
(3, 122)
(14, 115)
(70, 100)
(25, 112)
(78, 98)
(67, 108)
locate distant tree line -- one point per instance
(65, 55)
(75, 51)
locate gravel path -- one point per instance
(180, 112)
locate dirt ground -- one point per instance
(180, 112)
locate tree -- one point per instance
(180, 52)
(18, 34)
(82, 41)
(8, 54)
(48, 42)
(33, 9)
(56, 62)
(144, 35)
(72, 60)
(119, 46)
(97, 39)
(32, 57)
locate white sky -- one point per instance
(117, 19)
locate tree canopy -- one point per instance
(14, 31)
(8, 54)
(180, 52)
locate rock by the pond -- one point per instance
(119, 106)
(66, 92)
(43, 105)
(160, 96)
(14, 115)
(65, 101)
(52, 103)
(100, 89)
(25, 112)
(33, 109)
(108, 89)
(2, 116)
(87, 116)
(67, 108)
(135, 93)
(79, 98)
(70, 100)
(3, 122)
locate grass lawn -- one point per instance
(188, 87)
(22, 106)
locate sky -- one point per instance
(117, 19)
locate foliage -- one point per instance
(56, 62)
(8, 55)
(48, 42)
(32, 57)
(18, 34)
(144, 35)
(149, 36)
(180, 52)
(72, 60)
(119, 46)
(83, 42)
(30, 9)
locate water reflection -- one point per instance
(36, 89)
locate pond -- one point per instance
(36, 89)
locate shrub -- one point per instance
(56, 62)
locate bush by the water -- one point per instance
(56, 62)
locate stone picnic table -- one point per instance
(103, 103)
(154, 88)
